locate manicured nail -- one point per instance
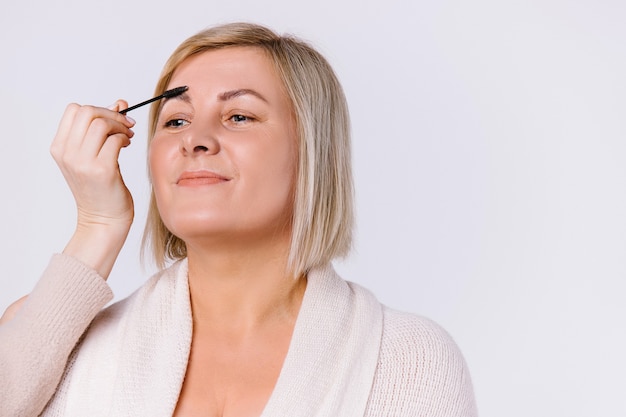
(130, 119)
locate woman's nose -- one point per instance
(197, 142)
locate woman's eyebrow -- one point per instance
(183, 97)
(229, 95)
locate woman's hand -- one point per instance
(86, 149)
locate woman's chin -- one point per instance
(199, 231)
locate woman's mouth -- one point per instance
(195, 178)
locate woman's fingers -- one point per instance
(89, 143)
(65, 126)
(118, 106)
(110, 151)
(92, 126)
(86, 148)
(84, 129)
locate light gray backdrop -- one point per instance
(489, 149)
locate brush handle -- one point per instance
(168, 94)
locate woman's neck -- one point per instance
(238, 288)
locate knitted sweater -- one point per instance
(349, 356)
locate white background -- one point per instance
(489, 149)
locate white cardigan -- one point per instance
(349, 356)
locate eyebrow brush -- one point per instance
(168, 94)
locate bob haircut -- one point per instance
(323, 217)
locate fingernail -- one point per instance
(130, 119)
(112, 106)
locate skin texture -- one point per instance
(223, 163)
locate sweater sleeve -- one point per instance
(36, 344)
(421, 372)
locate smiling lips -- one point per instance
(196, 178)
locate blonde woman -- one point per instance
(251, 201)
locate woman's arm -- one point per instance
(37, 341)
(38, 334)
(86, 149)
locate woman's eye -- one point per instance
(176, 123)
(239, 118)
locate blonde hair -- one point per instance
(323, 199)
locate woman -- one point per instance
(252, 199)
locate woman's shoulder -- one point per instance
(411, 332)
(421, 368)
(414, 342)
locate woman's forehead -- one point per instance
(231, 72)
(235, 62)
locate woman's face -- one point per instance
(223, 157)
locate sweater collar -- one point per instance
(331, 362)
